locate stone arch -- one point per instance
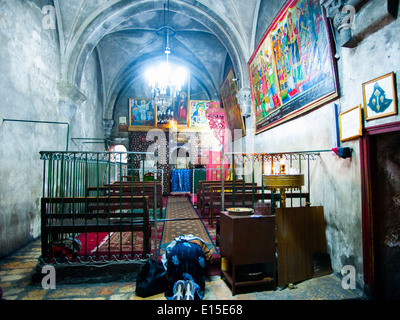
(102, 22)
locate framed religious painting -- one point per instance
(230, 103)
(178, 111)
(380, 97)
(142, 114)
(292, 70)
(181, 108)
(198, 119)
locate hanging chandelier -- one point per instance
(165, 80)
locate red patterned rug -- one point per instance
(115, 244)
(127, 244)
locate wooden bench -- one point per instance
(130, 190)
(243, 196)
(140, 184)
(136, 183)
(204, 194)
(75, 215)
(239, 196)
(204, 185)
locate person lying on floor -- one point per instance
(185, 260)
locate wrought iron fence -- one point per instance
(93, 211)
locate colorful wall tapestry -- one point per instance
(233, 113)
(141, 114)
(292, 70)
(198, 117)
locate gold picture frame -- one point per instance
(380, 97)
(142, 114)
(233, 113)
(198, 118)
(293, 69)
(350, 124)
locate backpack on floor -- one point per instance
(152, 279)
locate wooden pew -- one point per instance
(130, 190)
(136, 183)
(245, 197)
(206, 189)
(204, 185)
(66, 215)
(241, 196)
(140, 184)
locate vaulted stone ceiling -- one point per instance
(210, 35)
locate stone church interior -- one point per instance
(263, 134)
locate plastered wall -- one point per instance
(29, 77)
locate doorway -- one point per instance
(380, 165)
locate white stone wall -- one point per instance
(29, 78)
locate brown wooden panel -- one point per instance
(300, 233)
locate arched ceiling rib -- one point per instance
(124, 33)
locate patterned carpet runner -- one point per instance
(182, 208)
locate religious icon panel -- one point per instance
(292, 70)
(198, 117)
(141, 114)
(380, 97)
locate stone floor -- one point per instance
(16, 273)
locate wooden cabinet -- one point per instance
(246, 240)
(296, 235)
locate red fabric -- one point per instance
(214, 162)
(102, 245)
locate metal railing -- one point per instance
(87, 207)
(90, 207)
(270, 163)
